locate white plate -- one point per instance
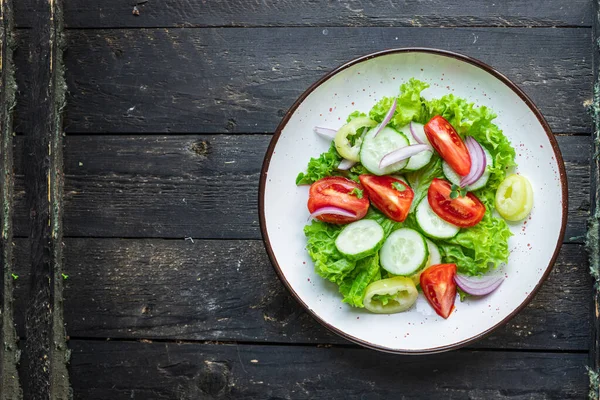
(357, 85)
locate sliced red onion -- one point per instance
(415, 136)
(325, 133)
(467, 179)
(478, 286)
(387, 119)
(402, 154)
(346, 165)
(478, 162)
(331, 211)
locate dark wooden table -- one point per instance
(143, 216)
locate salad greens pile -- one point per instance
(474, 250)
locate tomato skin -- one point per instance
(336, 191)
(464, 211)
(445, 140)
(395, 204)
(439, 288)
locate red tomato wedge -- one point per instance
(461, 211)
(439, 288)
(335, 191)
(390, 195)
(445, 140)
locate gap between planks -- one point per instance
(276, 26)
(312, 345)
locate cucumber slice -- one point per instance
(420, 160)
(374, 148)
(435, 258)
(432, 225)
(404, 252)
(419, 131)
(360, 239)
(454, 178)
(434, 253)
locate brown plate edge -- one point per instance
(445, 53)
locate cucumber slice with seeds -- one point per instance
(431, 224)
(404, 252)
(374, 148)
(360, 239)
(420, 160)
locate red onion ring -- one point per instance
(478, 162)
(331, 211)
(345, 165)
(402, 154)
(478, 286)
(467, 179)
(414, 135)
(387, 119)
(325, 133)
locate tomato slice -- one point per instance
(335, 191)
(445, 140)
(439, 288)
(461, 211)
(390, 195)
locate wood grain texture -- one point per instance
(207, 186)
(244, 80)
(23, 76)
(113, 370)
(9, 351)
(593, 235)
(201, 13)
(227, 290)
(46, 355)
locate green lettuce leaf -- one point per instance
(477, 249)
(330, 264)
(353, 288)
(356, 171)
(355, 114)
(320, 167)
(411, 106)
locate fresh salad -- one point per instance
(404, 202)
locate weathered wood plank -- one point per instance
(45, 350)
(244, 80)
(593, 235)
(189, 13)
(206, 186)
(129, 370)
(23, 75)
(9, 351)
(227, 291)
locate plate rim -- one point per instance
(445, 53)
